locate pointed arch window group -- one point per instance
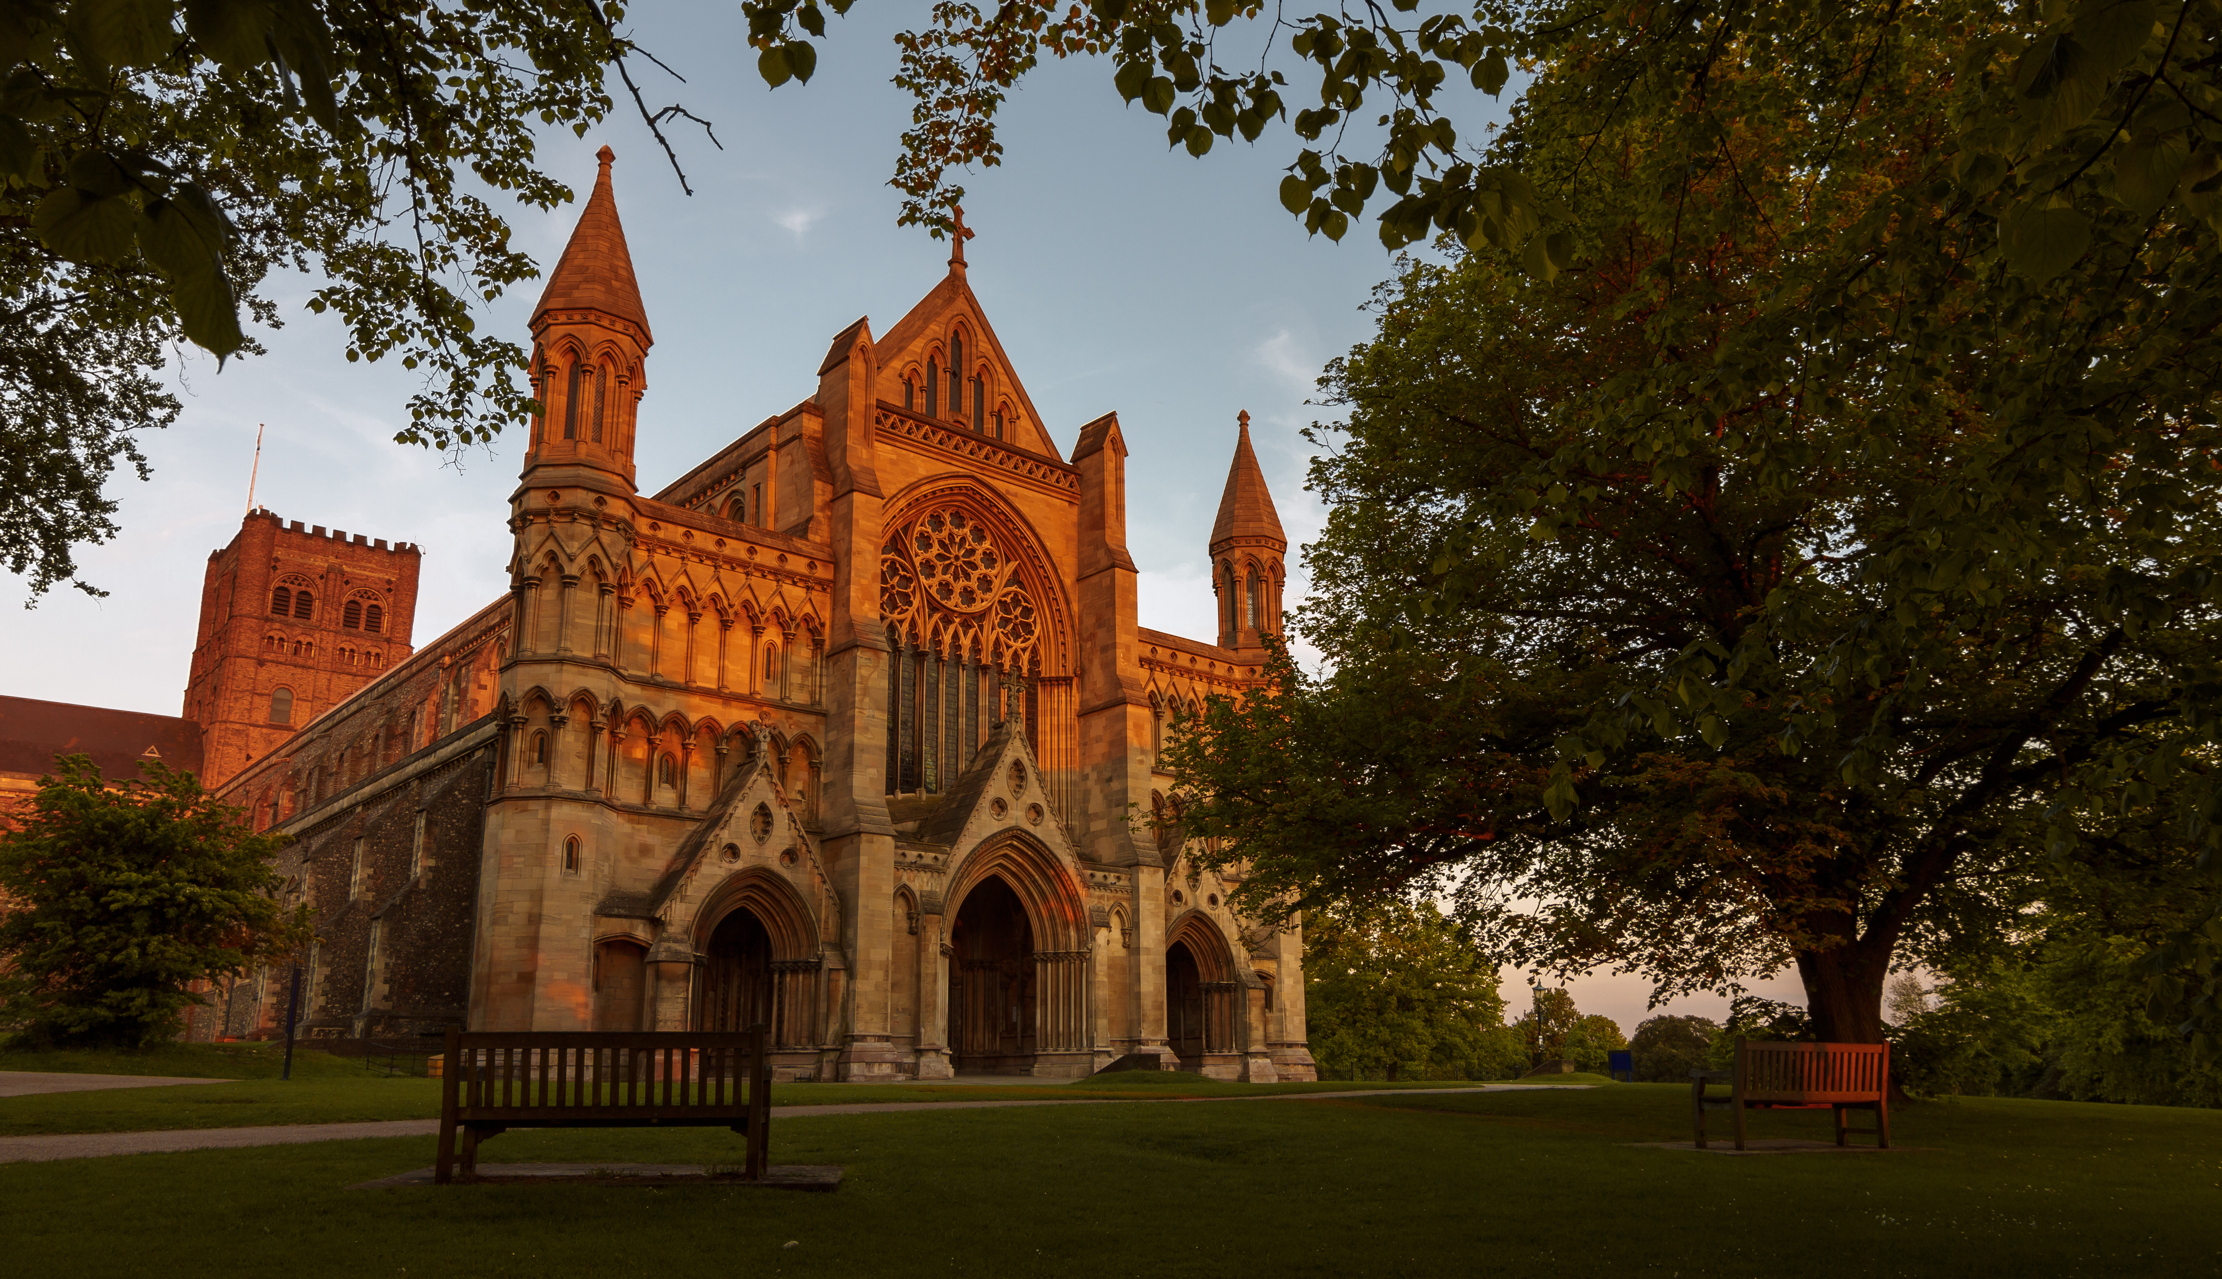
(968, 394)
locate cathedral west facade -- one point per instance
(850, 730)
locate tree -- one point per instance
(1667, 1049)
(1397, 991)
(120, 897)
(159, 157)
(1904, 332)
(1553, 1029)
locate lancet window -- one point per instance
(965, 630)
(933, 388)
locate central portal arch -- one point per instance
(1018, 965)
(1200, 990)
(993, 1008)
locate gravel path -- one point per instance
(30, 1083)
(92, 1145)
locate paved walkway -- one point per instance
(92, 1145)
(29, 1083)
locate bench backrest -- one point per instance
(1767, 1070)
(555, 1075)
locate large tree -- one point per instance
(1813, 522)
(1907, 334)
(158, 158)
(117, 897)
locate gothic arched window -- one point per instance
(571, 404)
(1252, 595)
(281, 706)
(304, 605)
(956, 374)
(667, 770)
(933, 388)
(601, 399)
(571, 855)
(540, 747)
(374, 619)
(351, 615)
(910, 393)
(979, 403)
(281, 601)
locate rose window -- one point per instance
(956, 561)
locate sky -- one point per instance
(1119, 275)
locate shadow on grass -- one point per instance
(1540, 1183)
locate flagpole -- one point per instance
(256, 472)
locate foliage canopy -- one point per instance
(159, 158)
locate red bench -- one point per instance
(495, 1081)
(1839, 1077)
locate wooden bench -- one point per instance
(495, 1081)
(1841, 1077)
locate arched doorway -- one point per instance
(1200, 990)
(736, 975)
(992, 1008)
(1184, 1004)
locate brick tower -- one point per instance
(293, 620)
(1248, 550)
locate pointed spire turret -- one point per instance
(1248, 550)
(596, 270)
(590, 341)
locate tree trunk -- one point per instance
(1844, 992)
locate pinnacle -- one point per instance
(596, 270)
(1246, 508)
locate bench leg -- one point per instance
(1882, 1122)
(1697, 1112)
(470, 1153)
(1843, 1125)
(443, 1168)
(1739, 1121)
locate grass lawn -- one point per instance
(1540, 1183)
(328, 1090)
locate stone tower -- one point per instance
(1248, 551)
(292, 620)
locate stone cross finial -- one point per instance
(957, 236)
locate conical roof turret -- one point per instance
(596, 270)
(1246, 507)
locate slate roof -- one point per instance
(33, 732)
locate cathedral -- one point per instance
(850, 730)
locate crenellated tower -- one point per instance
(1248, 553)
(590, 343)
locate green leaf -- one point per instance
(86, 228)
(1535, 259)
(2146, 171)
(17, 152)
(122, 33)
(1132, 77)
(772, 65)
(1157, 95)
(2041, 243)
(803, 58)
(1296, 194)
(209, 313)
(231, 33)
(2114, 32)
(1490, 74)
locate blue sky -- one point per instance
(1119, 275)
